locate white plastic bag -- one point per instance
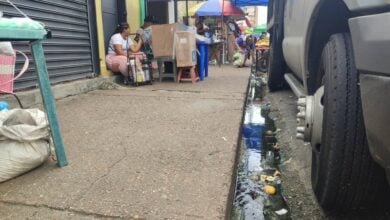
(24, 141)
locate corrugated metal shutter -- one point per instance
(68, 53)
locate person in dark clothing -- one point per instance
(201, 28)
(146, 32)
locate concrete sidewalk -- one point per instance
(164, 151)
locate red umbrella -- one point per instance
(230, 9)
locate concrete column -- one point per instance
(171, 12)
(100, 35)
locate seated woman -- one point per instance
(118, 51)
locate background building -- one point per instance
(71, 52)
(252, 14)
(80, 31)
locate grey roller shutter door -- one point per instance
(68, 53)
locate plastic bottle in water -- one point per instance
(4, 105)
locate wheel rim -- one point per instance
(310, 117)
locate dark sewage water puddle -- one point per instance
(258, 192)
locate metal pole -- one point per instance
(222, 32)
(223, 11)
(143, 6)
(146, 2)
(175, 8)
(187, 9)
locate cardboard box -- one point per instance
(162, 38)
(185, 48)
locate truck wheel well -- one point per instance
(330, 17)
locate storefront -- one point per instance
(80, 31)
(70, 53)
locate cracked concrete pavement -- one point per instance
(164, 151)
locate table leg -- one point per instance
(221, 56)
(223, 53)
(257, 60)
(48, 101)
(159, 67)
(206, 68)
(174, 64)
(202, 61)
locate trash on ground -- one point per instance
(270, 190)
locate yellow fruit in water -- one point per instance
(270, 190)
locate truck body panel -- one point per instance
(371, 43)
(368, 21)
(297, 21)
(364, 5)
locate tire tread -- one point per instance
(347, 177)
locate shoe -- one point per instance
(213, 62)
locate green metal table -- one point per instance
(25, 29)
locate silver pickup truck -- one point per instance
(335, 56)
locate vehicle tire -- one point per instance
(276, 67)
(344, 176)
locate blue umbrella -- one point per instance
(216, 7)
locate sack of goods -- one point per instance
(24, 141)
(238, 58)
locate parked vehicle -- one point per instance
(334, 55)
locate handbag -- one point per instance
(7, 67)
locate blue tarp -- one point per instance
(210, 8)
(242, 3)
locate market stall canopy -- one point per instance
(260, 29)
(242, 3)
(192, 11)
(214, 8)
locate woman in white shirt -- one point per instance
(118, 50)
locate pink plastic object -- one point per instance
(7, 70)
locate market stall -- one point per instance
(262, 46)
(218, 10)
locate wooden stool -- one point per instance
(192, 74)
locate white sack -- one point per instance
(24, 141)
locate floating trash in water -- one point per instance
(270, 190)
(258, 193)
